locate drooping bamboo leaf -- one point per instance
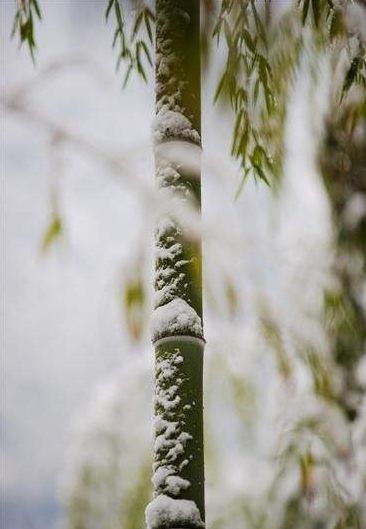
(315, 4)
(52, 233)
(24, 25)
(305, 10)
(109, 7)
(127, 76)
(137, 25)
(146, 51)
(37, 9)
(220, 86)
(149, 18)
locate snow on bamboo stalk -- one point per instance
(178, 468)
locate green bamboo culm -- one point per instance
(178, 467)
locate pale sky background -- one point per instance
(63, 325)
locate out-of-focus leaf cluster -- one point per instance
(23, 26)
(134, 47)
(343, 162)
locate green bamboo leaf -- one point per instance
(217, 31)
(315, 4)
(220, 86)
(336, 25)
(256, 91)
(137, 25)
(140, 68)
(147, 53)
(52, 233)
(305, 10)
(227, 32)
(258, 23)
(249, 41)
(256, 160)
(118, 13)
(127, 76)
(37, 9)
(109, 7)
(238, 121)
(241, 184)
(115, 37)
(243, 145)
(148, 18)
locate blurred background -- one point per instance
(284, 287)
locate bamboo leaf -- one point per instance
(115, 37)
(137, 25)
(220, 86)
(52, 233)
(37, 9)
(248, 40)
(256, 91)
(147, 24)
(305, 10)
(108, 10)
(117, 10)
(241, 184)
(147, 53)
(315, 4)
(127, 76)
(336, 25)
(236, 131)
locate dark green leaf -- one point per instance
(109, 7)
(147, 18)
(337, 25)
(316, 11)
(256, 91)
(117, 10)
(260, 172)
(147, 53)
(248, 40)
(137, 25)
(305, 10)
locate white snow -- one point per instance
(171, 447)
(175, 317)
(175, 485)
(172, 124)
(168, 253)
(164, 511)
